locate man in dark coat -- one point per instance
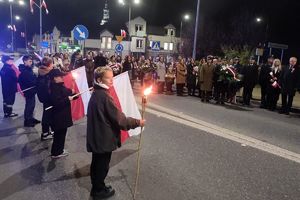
(104, 124)
(9, 82)
(250, 73)
(264, 80)
(27, 81)
(289, 82)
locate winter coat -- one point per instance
(43, 85)
(206, 77)
(27, 79)
(105, 122)
(161, 71)
(264, 75)
(180, 73)
(250, 74)
(61, 111)
(290, 80)
(9, 80)
(89, 68)
(272, 78)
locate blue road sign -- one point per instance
(80, 32)
(119, 48)
(155, 46)
(45, 44)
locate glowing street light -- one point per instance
(258, 20)
(21, 3)
(186, 17)
(137, 1)
(17, 17)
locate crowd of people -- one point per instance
(213, 79)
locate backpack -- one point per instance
(42, 86)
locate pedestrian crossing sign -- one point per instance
(155, 45)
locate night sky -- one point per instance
(283, 16)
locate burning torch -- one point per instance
(147, 92)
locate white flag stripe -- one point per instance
(82, 85)
(126, 98)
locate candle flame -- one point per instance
(147, 91)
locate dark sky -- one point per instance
(283, 15)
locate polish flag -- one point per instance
(76, 80)
(45, 6)
(124, 99)
(31, 5)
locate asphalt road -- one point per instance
(178, 161)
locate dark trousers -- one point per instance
(191, 88)
(46, 118)
(205, 95)
(99, 170)
(179, 88)
(220, 91)
(58, 144)
(160, 87)
(263, 92)
(287, 102)
(247, 94)
(8, 102)
(29, 108)
(272, 98)
(169, 86)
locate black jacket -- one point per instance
(264, 75)
(27, 79)
(100, 61)
(9, 80)
(290, 79)
(250, 75)
(105, 122)
(61, 111)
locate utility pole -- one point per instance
(196, 30)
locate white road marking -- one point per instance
(222, 132)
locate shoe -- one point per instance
(107, 192)
(282, 111)
(63, 154)
(36, 121)
(29, 124)
(10, 115)
(47, 136)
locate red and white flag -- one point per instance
(77, 81)
(123, 33)
(31, 5)
(45, 6)
(124, 99)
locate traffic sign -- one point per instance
(155, 46)
(80, 32)
(277, 46)
(119, 48)
(119, 38)
(45, 44)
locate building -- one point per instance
(143, 40)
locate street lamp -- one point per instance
(258, 20)
(186, 17)
(122, 2)
(21, 3)
(17, 17)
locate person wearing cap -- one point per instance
(61, 112)
(27, 81)
(263, 80)
(9, 82)
(104, 124)
(250, 74)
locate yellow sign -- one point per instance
(119, 38)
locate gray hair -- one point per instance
(100, 71)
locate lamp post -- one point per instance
(196, 30)
(130, 3)
(21, 3)
(186, 17)
(18, 18)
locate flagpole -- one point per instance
(12, 27)
(41, 26)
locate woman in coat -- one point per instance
(181, 73)
(273, 89)
(206, 79)
(104, 124)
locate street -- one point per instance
(190, 150)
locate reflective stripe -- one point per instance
(9, 106)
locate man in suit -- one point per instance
(264, 80)
(289, 81)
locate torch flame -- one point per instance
(147, 91)
(74, 75)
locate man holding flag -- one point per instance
(104, 124)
